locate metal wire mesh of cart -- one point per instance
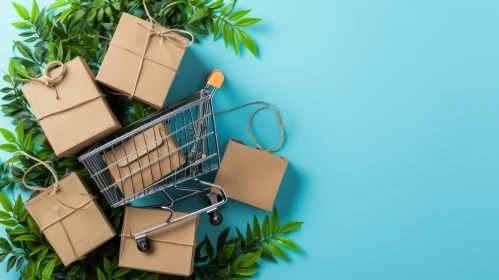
(174, 145)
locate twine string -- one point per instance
(42, 189)
(45, 78)
(267, 105)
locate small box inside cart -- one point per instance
(171, 248)
(251, 175)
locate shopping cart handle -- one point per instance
(216, 78)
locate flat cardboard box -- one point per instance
(171, 249)
(141, 153)
(121, 65)
(72, 233)
(251, 175)
(74, 128)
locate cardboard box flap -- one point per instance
(140, 219)
(70, 95)
(131, 35)
(140, 145)
(49, 210)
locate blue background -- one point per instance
(391, 110)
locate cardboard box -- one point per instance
(79, 117)
(251, 175)
(171, 249)
(122, 71)
(141, 153)
(72, 233)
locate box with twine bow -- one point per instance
(253, 175)
(172, 247)
(70, 107)
(143, 59)
(68, 215)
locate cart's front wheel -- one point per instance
(143, 244)
(215, 218)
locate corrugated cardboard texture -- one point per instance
(159, 149)
(71, 131)
(251, 175)
(122, 62)
(171, 248)
(86, 228)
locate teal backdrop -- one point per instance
(391, 110)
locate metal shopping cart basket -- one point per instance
(157, 153)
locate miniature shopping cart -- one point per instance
(157, 153)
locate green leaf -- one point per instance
(117, 6)
(74, 269)
(36, 250)
(28, 143)
(21, 24)
(276, 250)
(3, 255)
(23, 49)
(100, 14)
(251, 258)
(35, 10)
(57, 4)
(4, 215)
(198, 15)
(100, 274)
(91, 15)
(290, 226)
(249, 233)
(8, 147)
(237, 262)
(237, 15)
(234, 40)
(109, 13)
(274, 223)
(225, 34)
(5, 202)
(120, 272)
(266, 227)
(27, 237)
(21, 11)
(18, 205)
(245, 271)
(19, 70)
(19, 263)
(33, 227)
(247, 22)
(11, 262)
(225, 253)
(226, 9)
(222, 238)
(248, 42)
(5, 245)
(209, 248)
(216, 29)
(286, 242)
(20, 131)
(7, 135)
(47, 271)
(107, 266)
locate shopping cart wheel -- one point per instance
(143, 244)
(215, 218)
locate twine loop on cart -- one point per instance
(45, 78)
(267, 105)
(168, 35)
(42, 189)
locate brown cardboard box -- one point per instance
(122, 71)
(79, 117)
(251, 175)
(72, 233)
(151, 146)
(171, 248)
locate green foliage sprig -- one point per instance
(70, 28)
